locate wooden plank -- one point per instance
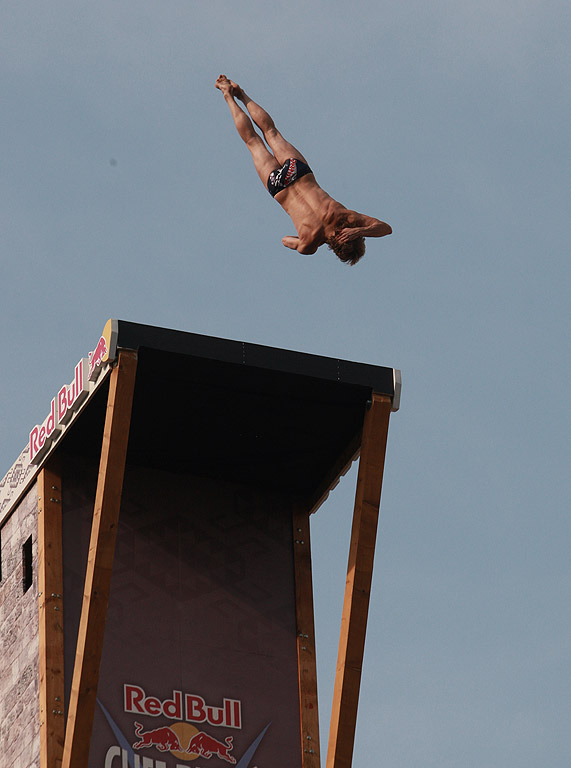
(100, 562)
(358, 584)
(306, 664)
(50, 589)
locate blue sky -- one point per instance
(125, 192)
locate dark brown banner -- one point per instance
(199, 664)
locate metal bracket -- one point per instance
(397, 382)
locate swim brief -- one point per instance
(291, 171)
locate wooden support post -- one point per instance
(50, 589)
(100, 562)
(306, 665)
(358, 584)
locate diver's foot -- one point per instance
(224, 85)
(236, 90)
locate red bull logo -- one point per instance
(182, 741)
(184, 736)
(98, 356)
(185, 742)
(164, 739)
(203, 745)
(71, 396)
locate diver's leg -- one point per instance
(281, 148)
(264, 161)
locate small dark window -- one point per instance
(27, 564)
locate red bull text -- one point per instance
(68, 400)
(189, 706)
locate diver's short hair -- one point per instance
(349, 252)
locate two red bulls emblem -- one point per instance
(199, 743)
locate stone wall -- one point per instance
(19, 672)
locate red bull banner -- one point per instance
(199, 665)
(64, 409)
(71, 396)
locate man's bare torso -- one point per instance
(312, 211)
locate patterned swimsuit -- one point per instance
(291, 171)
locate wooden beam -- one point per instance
(306, 665)
(100, 562)
(358, 584)
(50, 589)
